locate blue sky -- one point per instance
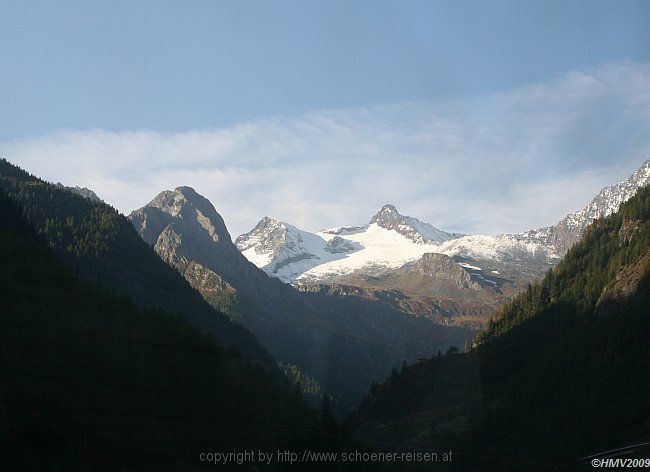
(383, 101)
(186, 65)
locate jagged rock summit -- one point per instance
(569, 230)
(282, 249)
(412, 228)
(182, 203)
(186, 231)
(82, 191)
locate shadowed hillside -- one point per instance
(90, 379)
(560, 373)
(98, 243)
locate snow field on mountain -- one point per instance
(392, 240)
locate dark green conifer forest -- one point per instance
(90, 380)
(98, 243)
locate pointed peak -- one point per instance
(186, 203)
(267, 222)
(409, 227)
(265, 225)
(190, 196)
(644, 169)
(189, 193)
(266, 231)
(388, 208)
(387, 211)
(184, 189)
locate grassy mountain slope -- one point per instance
(560, 373)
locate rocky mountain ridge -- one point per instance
(83, 191)
(411, 228)
(381, 246)
(387, 256)
(330, 339)
(569, 230)
(391, 240)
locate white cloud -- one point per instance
(500, 163)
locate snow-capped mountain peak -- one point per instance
(412, 228)
(391, 240)
(388, 212)
(388, 242)
(569, 230)
(610, 198)
(285, 251)
(266, 235)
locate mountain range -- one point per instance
(473, 273)
(362, 299)
(391, 239)
(344, 343)
(127, 330)
(100, 244)
(92, 381)
(558, 376)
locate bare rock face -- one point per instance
(187, 232)
(415, 230)
(213, 288)
(338, 245)
(569, 230)
(267, 236)
(184, 227)
(208, 280)
(82, 191)
(441, 267)
(181, 204)
(627, 282)
(168, 247)
(628, 228)
(438, 275)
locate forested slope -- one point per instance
(560, 373)
(97, 243)
(90, 381)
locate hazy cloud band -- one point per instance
(505, 162)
